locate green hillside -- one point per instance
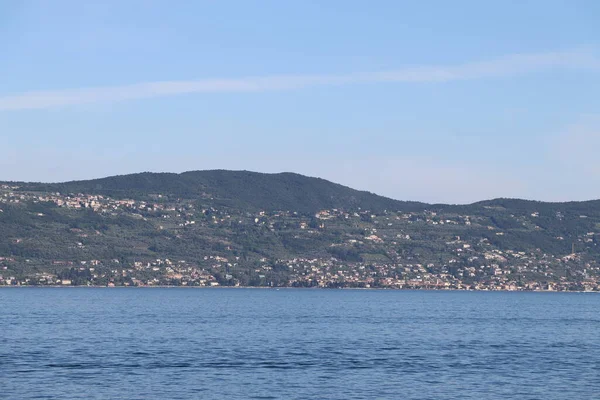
(247, 228)
(241, 189)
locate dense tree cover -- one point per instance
(239, 189)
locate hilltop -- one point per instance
(241, 189)
(247, 228)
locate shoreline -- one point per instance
(284, 288)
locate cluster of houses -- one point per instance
(303, 272)
(385, 248)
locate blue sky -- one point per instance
(434, 101)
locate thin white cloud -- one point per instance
(510, 65)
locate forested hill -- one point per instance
(281, 191)
(237, 227)
(238, 189)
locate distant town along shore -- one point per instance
(209, 230)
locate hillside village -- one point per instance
(67, 239)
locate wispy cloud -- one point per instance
(509, 65)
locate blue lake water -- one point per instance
(91, 343)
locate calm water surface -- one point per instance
(297, 344)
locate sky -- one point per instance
(436, 101)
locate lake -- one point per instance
(162, 343)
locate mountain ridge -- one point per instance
(284, 190)
(132, 181)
